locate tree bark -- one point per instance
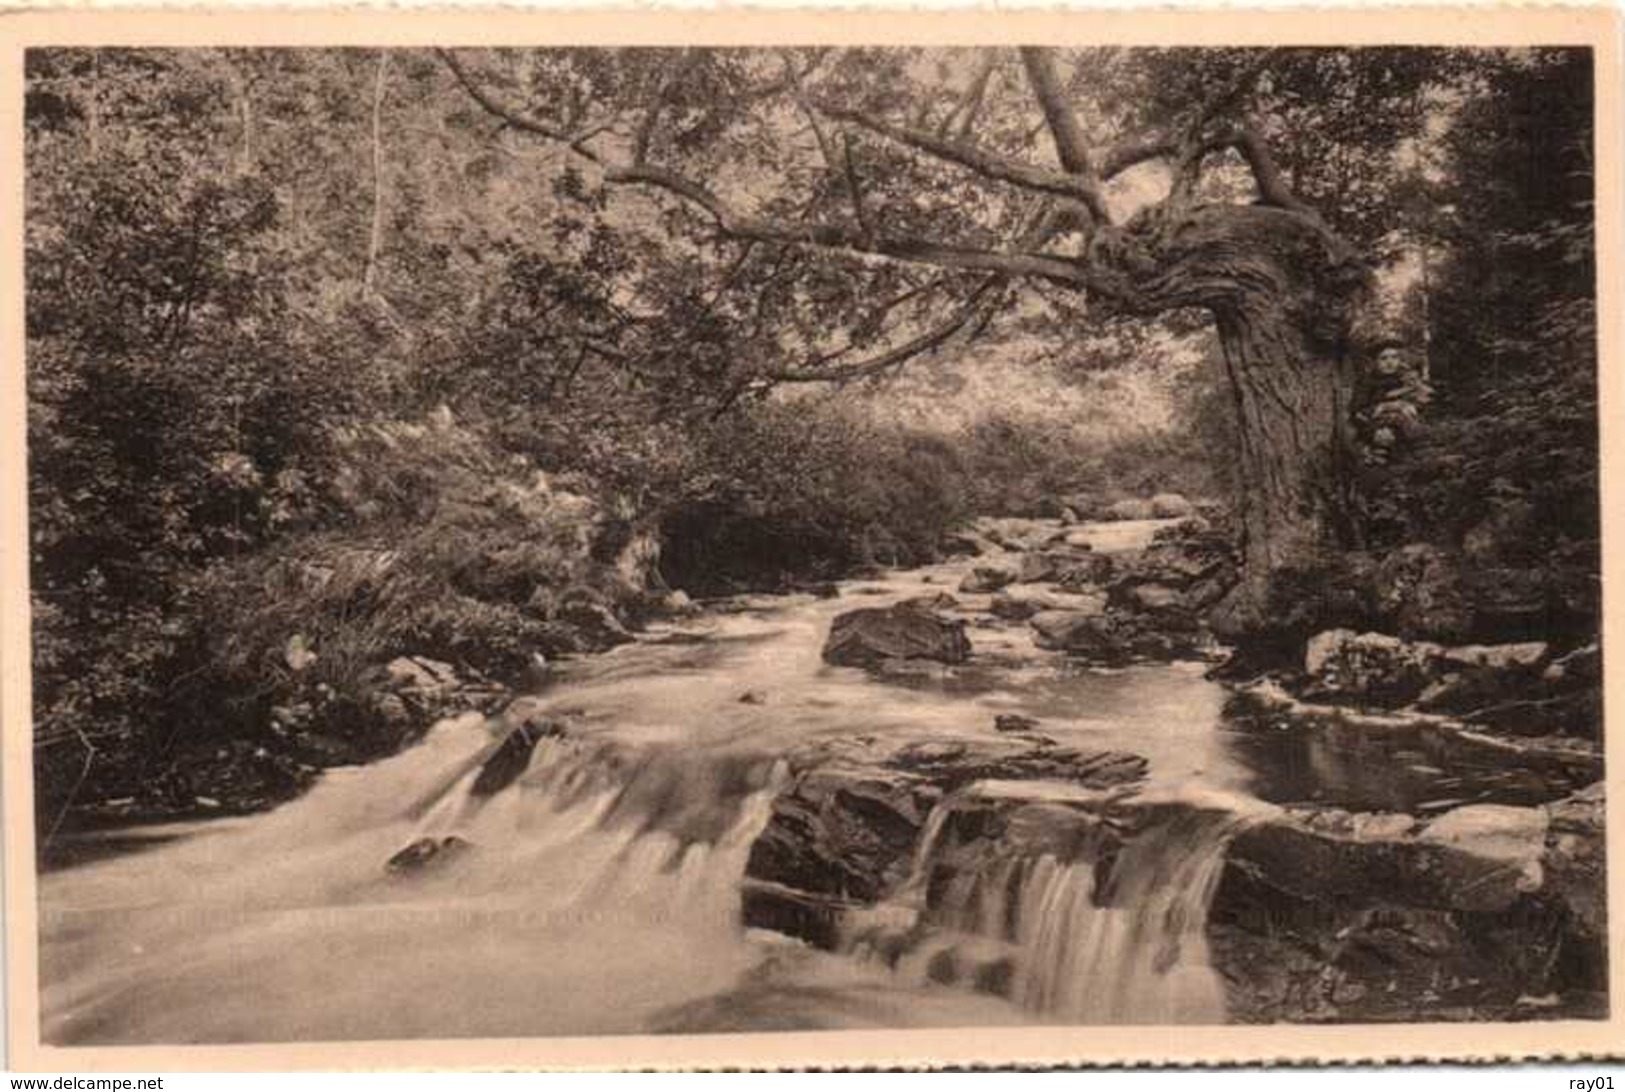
(1290, 302)
(1292, 400)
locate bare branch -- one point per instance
(1272, 185)
(969, 104)
(518, 119)
(971, 310)
(739, 225)
(835, 237)
(1027, 176)
(1136, 150)
(854, 188)
(1071, 146)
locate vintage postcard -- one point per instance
(701, 539)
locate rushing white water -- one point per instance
(600, 893)
(1092, 940)
(1136, 954)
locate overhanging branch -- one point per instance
(1027, 176)
(970, 311)
(740, 225)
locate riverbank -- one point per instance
(915, 842)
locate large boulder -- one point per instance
(868, 637)
(1324, 915)
(1074, 567)
(1473, 677)
(1114, 638)
(1374, 668)
(1193, 571)
(844, 834)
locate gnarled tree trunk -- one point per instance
(1289, 299)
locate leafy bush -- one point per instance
(452, 550)
(805, 489)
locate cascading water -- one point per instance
(600, 873)
(1112, 939)
(593, 884)
(1137, 952)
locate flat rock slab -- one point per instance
(1328, 916)
(846, 829)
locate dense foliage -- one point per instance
(322, 357)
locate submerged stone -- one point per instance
(512, 758)
(1015, 722)
(426, 852)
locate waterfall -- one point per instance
(1130, 949)
(1106, 939)
(610, 873)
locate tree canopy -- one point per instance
(693, 282)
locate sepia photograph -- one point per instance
(697, 538)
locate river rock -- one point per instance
(843, 834)
(1184, 574)
(1113, 639)
(1368, 667)
(1154, 599)
(1131, 509)
(510, 761)
(1015, 722)
(962, 544)
(864, 638)
(1017, 534)
(1018, 603)
(1516, 657)
(1073, 567)
(1062, 630)
(1580, 668)
(1494, 832)
(1475, 677)
(1082, 506)
(594, 626)
(933, 602)
(987, 578)
(1193, 526)
(428, 852)
(1330, 916)
(1171, 506)
(1577, 714)
(1181, 561)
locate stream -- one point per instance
(600, 893)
